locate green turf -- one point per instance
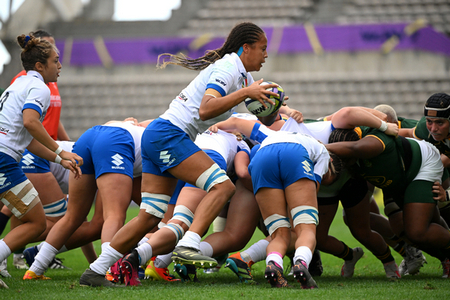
(369, 281)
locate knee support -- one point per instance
(391, 208)
(276, 221)
(155, 204)
(21, 198)
(176, 229)
(56, 209)
(305, 214)
(211, 177)
(183, 214)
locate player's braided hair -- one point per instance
(242, 33)
(341, 135)
(34, 49)
(344, 135)
(337, 163)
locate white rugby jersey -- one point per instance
(224, 143)
(27, 91)
(317, 152)
(319, 130)
(136, 132)
(226, 76)
(61, 174)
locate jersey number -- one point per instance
(3, 100)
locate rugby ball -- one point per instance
(256, 108)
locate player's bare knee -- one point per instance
(225, 189)
(416, 237)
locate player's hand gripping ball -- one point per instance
(256, 108)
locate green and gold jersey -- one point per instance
(387, 170)
(406, 123)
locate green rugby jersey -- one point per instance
(406, 123)
(387, 170)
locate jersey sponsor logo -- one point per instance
(307, 167)
(39, 102)
(4, 130)
(221, 82)
(55, 98)
(183, 97)
(378, 181)
(165, 157)
(28, 160)
(118, 161)
(3, 179)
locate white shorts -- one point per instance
(432, 167)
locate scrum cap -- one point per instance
(437, 106)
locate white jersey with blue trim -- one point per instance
(136, 132)
(317, 152)
(61, 174)
(319, 130)
(27, 91)
(226, 76)
(224, 143)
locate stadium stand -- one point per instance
(436, 12)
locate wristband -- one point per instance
(58, 159)
(384, 126)
(58, 151)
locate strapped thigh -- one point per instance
(21, 198)
(56, 209)
(275, 221)
(305, 214)
(212, 176)
(155, 204)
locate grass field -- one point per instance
(369, 281)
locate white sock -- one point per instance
(303, 253)
(43, 258)
(275, 257)
(145, 252)
(39, 246)
(4, 250)
(105, 245)
(206, 249)
(163, 261)
(63, 249)
(257, 251)
(106, 259)
(190, 240)
(143, 240)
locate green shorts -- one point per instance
(419, 191)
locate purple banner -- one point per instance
(292, 39)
